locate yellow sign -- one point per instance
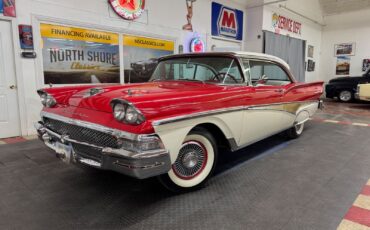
(71, 33)
(148, 43)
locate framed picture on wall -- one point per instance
(310, 51)
(365, 64)
(311, 66)
(345, 49)
(343, 65)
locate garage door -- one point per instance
(9, 116)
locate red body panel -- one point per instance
(159, 100)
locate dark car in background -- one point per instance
(344, 88)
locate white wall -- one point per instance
(344, 28)
(311, 31)
(160, 20)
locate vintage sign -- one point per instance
(140, 55)
(9, 8)
(25, 36)
(128, 9)
(197, 45)
(1, 7)
(75, 55)
(280, 22)
(227, 22)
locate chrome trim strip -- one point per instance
(114, 132)
(225, 110)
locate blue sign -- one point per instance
(227, 22)
(1, 7)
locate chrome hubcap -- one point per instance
(191, 160)
(345, 96)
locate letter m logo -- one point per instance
(227, 23)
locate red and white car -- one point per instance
(173, 126)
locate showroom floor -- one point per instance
(308, 183)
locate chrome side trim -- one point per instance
(228, 110)
(114, 132)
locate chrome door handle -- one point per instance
(13, 87)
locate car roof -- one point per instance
(262, 56)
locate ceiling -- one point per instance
(331, 7)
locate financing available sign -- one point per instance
(76, 55)
(227, 22)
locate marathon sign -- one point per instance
(227, 22)
(280, 22)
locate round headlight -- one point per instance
(131, 115)
(119, 112)
(48, 100)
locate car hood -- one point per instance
(346, 79)
(169, 97)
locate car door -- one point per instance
(264, 113)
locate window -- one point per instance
(222, 70)
(266, 73)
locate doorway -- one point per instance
(9, 113)
(291, 50)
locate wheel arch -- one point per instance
(173, 135)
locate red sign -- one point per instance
(128, 9)
(228, 24)
(197, 45)
(280, 22)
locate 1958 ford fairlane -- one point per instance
(172, 127)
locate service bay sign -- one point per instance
(227, 22)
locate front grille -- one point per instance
(81, 134)
(88, 152)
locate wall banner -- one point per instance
(227, 22)
(280, 22)
(141, 55)
(77, 56)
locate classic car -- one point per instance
(344, 88)
(363, 92)
(173, 126)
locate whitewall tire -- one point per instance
(195, 162)
(296, 131)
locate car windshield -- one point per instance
(219, 70)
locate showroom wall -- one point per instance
(310, 31)
(352, 27)
(163, 20)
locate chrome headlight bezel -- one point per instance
(124, 111)
(46, 99)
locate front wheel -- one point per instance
(195, 162)
(295, 131)
(345, 96)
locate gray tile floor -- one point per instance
(308, 183)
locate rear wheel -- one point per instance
(295, 131)
(195, 162)
(345, 96)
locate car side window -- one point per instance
(268, 73)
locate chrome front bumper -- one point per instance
(139, 165)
